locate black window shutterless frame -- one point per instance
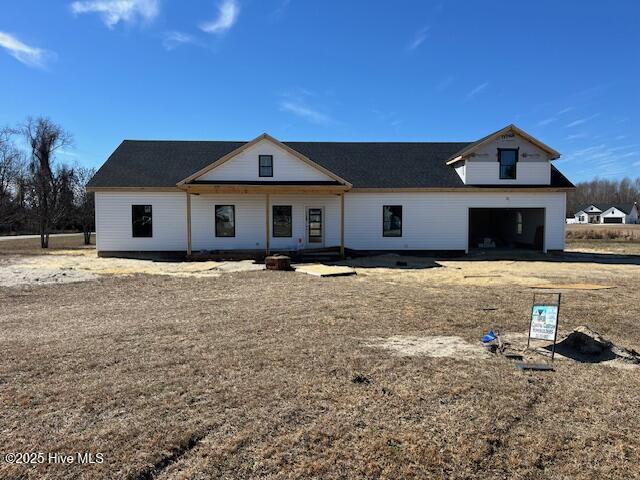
(392, 221)
(508, 159)
(282, 221)
(141, 221)
(265, 165)
(225, 220)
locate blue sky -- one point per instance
(567, 72)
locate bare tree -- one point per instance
(85, 202)
(606, 192)
(46, 184)
(11, 170)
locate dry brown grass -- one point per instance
(604, 232)
(31, 246)
(250, 375)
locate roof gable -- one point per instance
(613, 209)
(304, 166)
(593, 208)
(508, 130)
(625, 208)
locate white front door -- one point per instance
(315, 227)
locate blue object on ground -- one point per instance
(489, 337)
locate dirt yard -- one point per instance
(230, 371)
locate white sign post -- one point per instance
(544, 321)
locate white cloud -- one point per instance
(296, 101)
(576, 136)
(605, 157)
(228, 12)
(31, 56)
(306, 112)
(116, 11)
(546, 121)
(564, 110)
(624, 147)
(419, 38)
(476, 91)
(580, 121)
(173, 40)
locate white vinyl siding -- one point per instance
(430, 221)
(300, 203)
(113, 221)
(461, 170)
(533, 166)
(286, 167)
(439, 220)
(527, 173)
(249, 218)
(251, 223)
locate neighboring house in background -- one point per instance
(601, 214)
(266, 195)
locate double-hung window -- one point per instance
(141, 221)
(392, 221)
(225, 221)
(265, 165)
(508, 159)
(282, 224)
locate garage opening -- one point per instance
(612, 219)
(506, 228)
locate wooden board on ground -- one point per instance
(573, 286)
(320, 270)
(534, 366)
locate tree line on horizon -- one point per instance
(603, 191)
(38, 194)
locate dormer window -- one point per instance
(508, 159)
(265, 165)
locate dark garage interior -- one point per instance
(506, 228)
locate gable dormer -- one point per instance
(264, 160)
(592, 209)
(506, 157)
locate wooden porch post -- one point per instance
(266, 221)
(188, 223)
(342, 225)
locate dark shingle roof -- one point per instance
(366, 165)
(623, 207)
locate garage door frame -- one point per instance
(544, 216)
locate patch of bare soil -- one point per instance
(480, 273)
(65, 266)
(581, 345)
(29, 271)
(432, 346)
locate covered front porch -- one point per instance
(264, 218)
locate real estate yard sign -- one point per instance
(544, 321)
